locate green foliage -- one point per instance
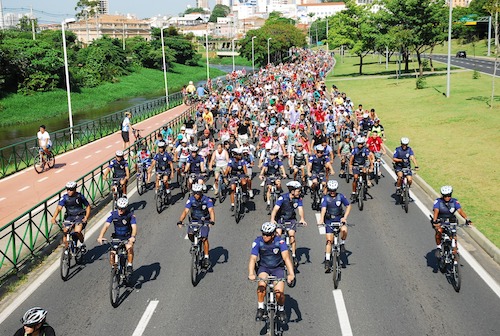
(25, 24)
(180, 45)
(219, 11)
(87, 8)
(148, 55)
(476, 74)
(195, 10)
(478, 7)
(421, 83)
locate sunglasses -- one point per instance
(267, 234)
(447, 195)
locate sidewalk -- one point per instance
(23, 190)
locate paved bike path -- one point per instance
(21, 191)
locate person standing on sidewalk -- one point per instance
(126, 125)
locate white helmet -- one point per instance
(405, 141)
(236, 150)
(197, 187)
(446, 190)
(360, 140)
(122, 203)
(190, 82)
(34, 315)
(268, 227)
(292, 185)
(320, 148)
(71, 185)
(193, 149)
(119, 153)
(365, 115)
(262, 125)
(183, 128)
(161, 144)
(269, 145)
(332, 185)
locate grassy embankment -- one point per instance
(479, 48)
(17, 108)
(455, 139)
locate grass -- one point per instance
(479, 48)
(455, 139)
(17, 108)
(238, 60)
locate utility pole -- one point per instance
(32, 24)
(1, 16)
(448, 70)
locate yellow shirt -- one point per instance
(208, 117)
(190, 88)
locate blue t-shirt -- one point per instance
(399, 153)
(287, 207)
(360, 155)
(200, 91)
(195, 163)
(270, 254)
(273, 166)
(334, 207)
(318, 163)
(199, 208)
(162, 161)
(122, 223)
(118, 168)
(237, 167)
(446, 210)
(75, 205)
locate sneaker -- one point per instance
(232, 207)
(268, 207)
(295, 262)
(216, 191)
(369, 184)
(263, 183)
(261, 314)
(130, 269)
(281, 316)
(438, 253)
(398, 191)
(205, 263)
(250, 192)
(83, 248)
(342, 248)
(353, 197)
(328, 266)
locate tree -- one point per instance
(195, 10)
(219, 11)
(181, 46)
(478, 7)
(147, 54)
(87, 8)
(25, 24)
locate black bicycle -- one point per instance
(361, 190)
(344, 166)
(274, 193)
(286, 226)
(377, 167)
(120, 278)
(221, 188)
(70, 252)
(273, 324)
(142, 178)
(196, 251)
(404, 197)
(316, 193)
(335, 254)
(117, 191)
(43, 159)
(163, 195)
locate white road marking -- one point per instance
(186, 237)
(58, 171)
(117, 142)
(87, 156)
(1, 199)
(43, 179)
(109, 146)
(321, 229)
(23, 189)
(74, 163)
(487, 278)
(139, 330)
(98, 151)
(345, 325)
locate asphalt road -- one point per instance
(479, 64)
(390, 285)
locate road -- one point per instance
(390, 285)
(21, 191)
(479, 64)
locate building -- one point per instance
(103, 6)
(311, 12)
(114, 26)
(192, 19)
(202, 4)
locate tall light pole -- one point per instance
(253, 54)
(164, 65)
(1, 16)
(327, 44)
(232, 46)
(448, 71)
(206, 47)
(268, 54)
(66, 71)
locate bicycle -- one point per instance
(196, 250)
(274, 193)
(119, 275)
(238, 201)
(273, 324)
(335, 253)
(448, 261)
(302, 181)
(377, 173)
(42, 159)
(316, 193)
(344, 166)
(221, 188)
(137, 134)
(117, 191)
(142, 177)
(163, 195)
(361, 190)
(286, 226)
(404, 196)
(71, 251)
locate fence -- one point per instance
(23, 238)
(20, 155)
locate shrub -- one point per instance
(420, 83)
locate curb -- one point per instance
(471, 231)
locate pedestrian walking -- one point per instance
(126, 125)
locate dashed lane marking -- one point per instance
(23, 189)
(109, 146)
(98, 151)
(345, 325)
(148, 313)
(1, 199)
(43, 179)
(87, 156)
(74, 163)
(59, 171)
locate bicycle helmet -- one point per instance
(33, 316)
(360, 140)
(161, 144)
(236, 151)
(273, 152)
(262, 125)
(119, 153)
(197, 188)
(405, 141)
(71, 185)
(332, 185)
(365, 115)
(320, 148)
(190, 82)
(268, 228)
(122, 203)
(446, 190)
(193, 149)
(293, 185)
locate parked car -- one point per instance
(461, 54)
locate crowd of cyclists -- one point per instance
(279, 123)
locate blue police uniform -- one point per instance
(365, 125)
(287, 209)
(118, 168)
(360, 159)
(399, 153)
(199, 210)
(122, 223)
(237, 169)
(75, 206)
(195, 164)
(318, 165)
(334, 209)
(447, 210)
(163, 162)
(273, 168)
(271, 261)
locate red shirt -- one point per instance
(374, 144)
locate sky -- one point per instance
(65, 8)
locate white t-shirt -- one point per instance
(44, 139)
(125, 124)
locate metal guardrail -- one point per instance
(25, 237)
(19, 156)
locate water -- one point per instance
(13, 134)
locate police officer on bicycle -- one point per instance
(163, 162)
(361, 162)
(120, 170)
(77, 212)
(401, 158)
(332, 211)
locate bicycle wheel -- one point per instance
(140, 184)
(336, 269)
(168, 198)
(376, 173)
(457, 279)
(159, 200)
(65, 263)
(51, 160)
(79, 256)
(237, 207)
(38, 165)
(114, 287)
(194, 268)
(273, 321)
(406, 198)
(220, 190)
(184, 185)
(361, 197)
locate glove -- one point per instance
(468, 222)
(179, 223)
(211, 222)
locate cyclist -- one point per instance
(365, 125)
(332, 210)
(344, 152)
(274, 255)
(191, 89)
(35, 324)
(401, 158)
(44, 141)
(444, 209)
(360, 163)
(284, 211)
(271, 169)
(317, 166)
(298, 161)
(220, 158)
(375, 145)
(77, 212)
(195, 165)
(120, 171)
(201, 208)
(181, 153)
(247, 152)
(143, 158)
(378, 128)
(163, 162)
(125, 225)
(237, 171)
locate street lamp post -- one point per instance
(253, 54)
(268, 54)
(448, 71)
(232, 46)
(66, 71)
(206, 52)
(164, 66)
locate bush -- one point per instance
(421, 83)
(476, 74)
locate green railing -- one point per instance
(25, 237)
(20, 155)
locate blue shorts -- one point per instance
(77, 219)
(278, 272)
(204, 230)
(328, 227)
(407, 171)
(356, 170)
(321, 178)
(291, 225)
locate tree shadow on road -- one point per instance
(145, 274)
